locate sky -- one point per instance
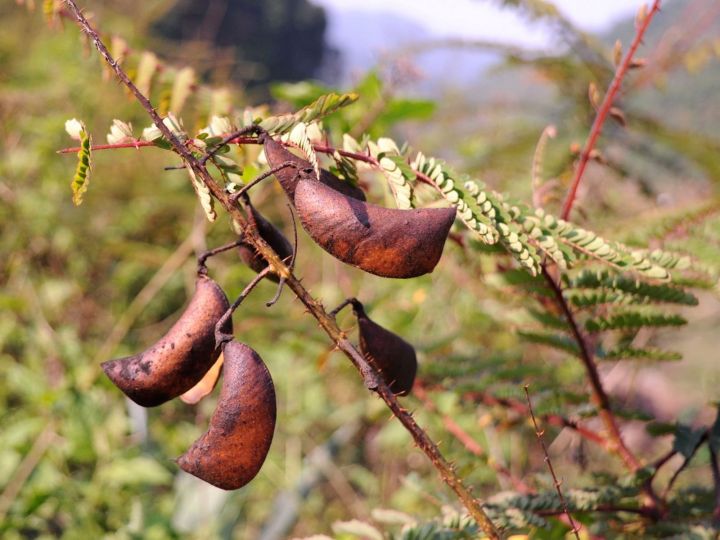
(482, 19)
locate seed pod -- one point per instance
(180, 358)
(383, 241)
(277, 154)
(232, 451)
(272, 236)
(391, 354)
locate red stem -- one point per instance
(604, 109)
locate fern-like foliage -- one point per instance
(314, 112)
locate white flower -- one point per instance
(119, 132)
(75, 128)
(151, 133)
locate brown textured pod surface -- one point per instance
(383, 241)
(277, 154)
(232, 451)
(272, 236)
(391, 354)
(181, 357)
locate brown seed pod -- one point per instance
(181, 357)
(272, 236)
(277, 154)
(391, 354)
(234, 448)
(383, 241)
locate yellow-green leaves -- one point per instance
(395, 169)
(76, 129)
(318, 109)
(204, 196)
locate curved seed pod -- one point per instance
(272, 236)
(277, 154)
(391, 354)
(232, 451)
(383, 241)
(180, 358)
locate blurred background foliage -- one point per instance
(83, 285)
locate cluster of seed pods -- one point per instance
(186, 361)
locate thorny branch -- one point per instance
(605, 107)
(316, 309)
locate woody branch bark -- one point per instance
(605, 107)
(316, 309)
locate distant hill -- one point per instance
(363, 37)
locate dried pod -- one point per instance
(391, 354)
(272, 236)
(277, 154)
(180, 358)
(383, 241)
(232, 451)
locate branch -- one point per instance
(599, 396)
(716, 482)
(604, 109)
(316, 309)
(539, 435)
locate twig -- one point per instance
(291, 264)
(539, 435)
(685, 463)
(604, 109)
(716, 482)
(205, 255)
(599, 396)
(327, 323)
(220, 336)
(134, 144)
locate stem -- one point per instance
(685, 463)
(604, 109)
(599, 396)
(327, 323)
(716, 482)
(552, 419)
(539, 435)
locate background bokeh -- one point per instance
(81, 285)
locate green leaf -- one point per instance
(81, 180)
(644, 353)
(203, 192)
(589, 279)
(687, 440)
(321, 107)
(632, 320)
(561, 342)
